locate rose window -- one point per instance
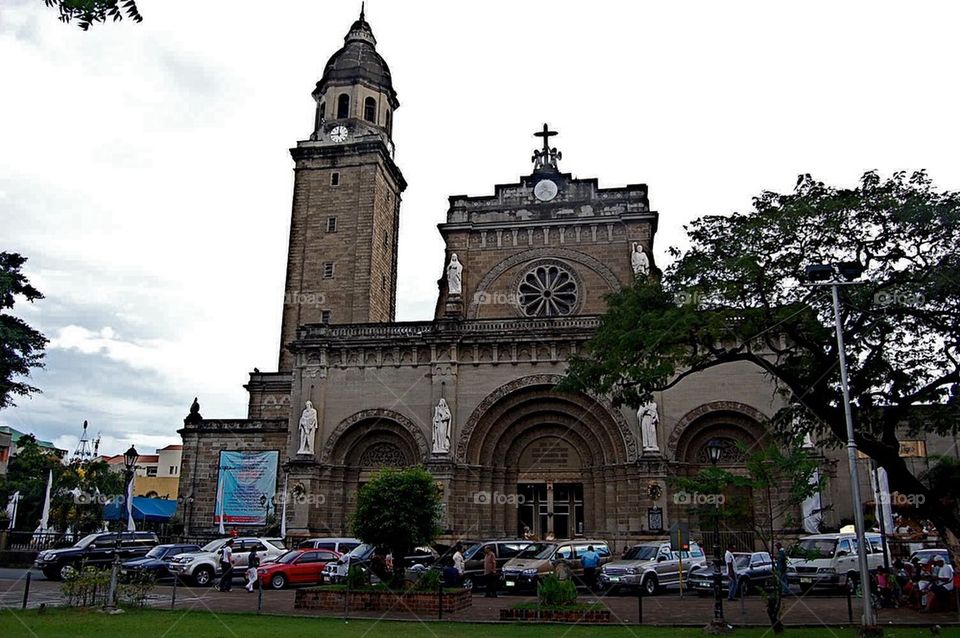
(547, 290)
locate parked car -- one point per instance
(652, 566)
(754, 572)
(417, 562)
(296, 567)
(202, 567)
(157, 561)
(473, 556)
(98, 550)
(830, 560)
(339, 545)
(540, 559)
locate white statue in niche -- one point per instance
(455, 276)
(308, 428)
(441, 428)
(649, 420)
(639, 260)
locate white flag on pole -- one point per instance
(131, 526)
(45, 517)
(219, 506)
(12, 510)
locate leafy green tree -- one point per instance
(87, 12)
(21, 347)
(737, 294)
(83, 488)
(399, 509)
(27, 473)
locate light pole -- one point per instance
(714, 452)
(836, 275)
(265, 504)
(129, 465)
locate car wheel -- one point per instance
(468, 583)
(650, 585)
(66, 572)
(202, 576)
(278, 581)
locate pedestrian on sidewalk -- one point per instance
(226, 566)
(458, 562)
(590, 560)
(782, 569)
(731, 562)
(490, 572)
(253, 562)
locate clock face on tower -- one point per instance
(545, 190)
(339, 133)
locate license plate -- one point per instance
(509, 583)
(704, 583)
(614, 579)
(806, 580)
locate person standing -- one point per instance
(226, 566)
(731, 564)
(782, 569)
(590, 560)
(490, 572)
(458, 562)
(253, 562)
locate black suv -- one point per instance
(96, 550)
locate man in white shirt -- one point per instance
(226, 566)
(731, 564)
(458, 562)
(942, 586)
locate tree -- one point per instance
(399, 509)
(27, 473)
(87, 12)
(737, 294)
(21, 347)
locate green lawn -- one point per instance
(56, 623)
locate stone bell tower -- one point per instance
(342, 259)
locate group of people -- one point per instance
(227, 562)
(924, 586)
(455, 567)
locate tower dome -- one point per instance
(358, 62)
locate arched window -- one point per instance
(343, 106)
(370, 110)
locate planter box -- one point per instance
(414, 602)
(544, 615)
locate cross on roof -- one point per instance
(546, 134)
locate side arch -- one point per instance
(368, 422)
(737, 416)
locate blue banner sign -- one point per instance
(245, 479)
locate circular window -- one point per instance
(547, 290)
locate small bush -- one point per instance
(86, 588)
(428, 581)
(554, 592)
(356, 577)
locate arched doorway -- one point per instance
(543, 460)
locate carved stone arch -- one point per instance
(745, 416)
(377, 418)
(545, 252)
(627, 442)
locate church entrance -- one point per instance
(550, 510)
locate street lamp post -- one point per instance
(129, 464)
(714, 452)
(265, 504)
(831, 275)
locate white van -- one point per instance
(830, 560)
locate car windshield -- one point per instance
(157, 552)
(538, 550)
(642, 552)
(743, 561)
(289, 557)
(213, 546)
(814, 548)
(86, 540)
(359, 551)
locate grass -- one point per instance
(65, 623)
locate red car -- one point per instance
(296, 567)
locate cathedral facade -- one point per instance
(469, 394)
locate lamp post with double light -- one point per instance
(129, 466)
(714, 452)
(838, 274)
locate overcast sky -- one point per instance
(145, 173)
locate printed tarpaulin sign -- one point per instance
(244, 478)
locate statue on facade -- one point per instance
(441, 428)
(308, 427)
(649, 420)
(455, 276)
(639, 260)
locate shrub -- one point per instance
(356, 577)
(554, 592)
(428, 581)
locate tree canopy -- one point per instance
(738, 293)
(86, 13)
(21, 347)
